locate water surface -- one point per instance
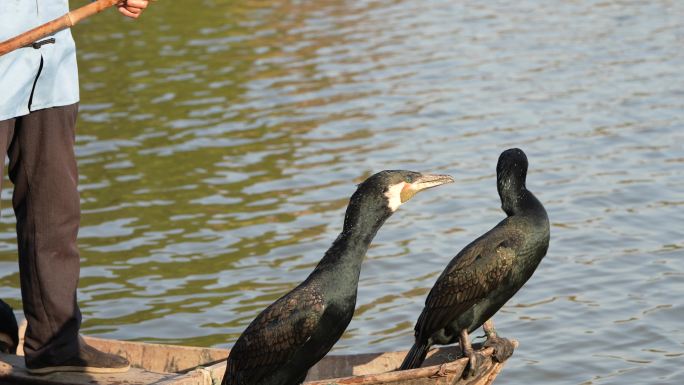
(219, 142)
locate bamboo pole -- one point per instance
(66, 21)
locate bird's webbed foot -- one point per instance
(473, 366)
(503, 347)
(475, 359)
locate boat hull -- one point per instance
(183, 365)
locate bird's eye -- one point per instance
(409, 179)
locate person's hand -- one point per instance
(132, 8)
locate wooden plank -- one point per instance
(160, 358)
(336, 366)
(444, 366)
(13, 371)
(152, 357)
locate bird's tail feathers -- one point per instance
(415, 356)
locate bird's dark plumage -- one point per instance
(296, 331)
(9, 331)
(481, 278)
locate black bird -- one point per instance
(9, 331)
(296, 331)
(485, 274)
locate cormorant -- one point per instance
(485, 274)
(9, 331)
(296, 331)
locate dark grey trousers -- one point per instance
(42, 166)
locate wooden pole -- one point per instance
(66, 21)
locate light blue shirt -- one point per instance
(57, 84)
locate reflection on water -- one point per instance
(219, 142)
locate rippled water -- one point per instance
(219, 142)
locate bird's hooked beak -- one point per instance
(424, 182)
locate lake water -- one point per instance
(219, 142)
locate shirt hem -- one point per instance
(60, 103)
(25, 111)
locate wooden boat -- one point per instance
(183, 365)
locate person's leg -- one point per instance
(9, 331)
(46, 203)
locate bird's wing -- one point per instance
(275, 335)
(470, 276)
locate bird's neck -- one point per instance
(520, 202)
(345, 256)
